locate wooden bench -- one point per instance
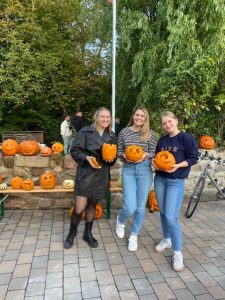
(4, 194)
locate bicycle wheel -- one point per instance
(195, 197)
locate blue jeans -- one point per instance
(169, 194)
(67, 141)
(137, 180)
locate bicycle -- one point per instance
(198, 189)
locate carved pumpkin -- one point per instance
(29, 148)
(48, 180)
(98, 212)
(9, 147)
(164, 160)
(109, 151)
(206, 142)
(152, 202)
(16, 183)
(57, 147)
(68, 184)
(134, 153)
(1, 178)
(46, 151)
(28, 184)
(3, 186)
(95, 162)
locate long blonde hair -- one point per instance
(145, 130)
(96, 115)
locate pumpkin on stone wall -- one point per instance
(29, 148)
(16, 183)
(109, 151)
(68, 184)
(3, 186)
(57, 148)
(206, 142)
(152, 202)
(48, 180)
(134, 153)
(28, 184)
(9, 147)
(1, 178)
(164, 160)
(46, 151)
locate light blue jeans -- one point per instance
(67, 141)
(137, 180)
(169, 194)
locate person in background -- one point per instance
(136, 177)
(169, 185)
(117, 126)
(66, 134)
(92, 181)
(77, 121)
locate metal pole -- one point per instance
(114, 65)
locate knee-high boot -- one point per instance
(87, 237)
(75, 220)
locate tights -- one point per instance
(81, 204)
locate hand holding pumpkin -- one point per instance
(93, 162)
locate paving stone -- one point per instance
(76, 296)
(54, 280)
(7, 266)
(22, 270)
(163, 291)
(205, 279)
(56, 255)
(118, 269)
(128, 294)
(148, 265)
(148, 297)
(104, 277)
(212, 269)
(102, 265)
(123, 282)
(40, 262)
(183, 294)
(87, 274)
(136, 273)
(90, 290)
(25, 258)
(115, 259)
(109, 292)
(204, 297)
(196, 288)
(155, 277)
(72, 285)
(70, 259)
(54, 293)
(3, 291)
(217, 292)
(35, 289)
(175, 283)
(142, 286)
(5, 278)
(55, 266)
(187, 276)
(35, 298)
(86, 262)
(71, 270)
(15, 295)
(193, 265)
(38, 275)
(99, 255)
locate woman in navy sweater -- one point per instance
(169, 185)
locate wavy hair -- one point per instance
(145, 130)
(96, 115)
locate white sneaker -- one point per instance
(178, 263)
(120, 231)
(162, 246)
(132, 245)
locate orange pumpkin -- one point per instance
(98, 212)
(134, 153)
(28, 184)
(16, 183)
(95, 162)
(46, 151)
(48, 180)
(206, 142)
(57, 147)
(1, 178)
(9, 147)
(109, 151)
(29, 148)
(152, 202)
(164, 160)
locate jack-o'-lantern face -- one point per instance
(28, 184)
(206, 142)
(16, 183)
(29, 148)
(164, 160)
(46, 151)
(109, 151)
(9, 147)
(48, 180)
(68, 184)
(57, 147)
(134, 153)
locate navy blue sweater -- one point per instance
(183, 147)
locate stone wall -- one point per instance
(65, 168)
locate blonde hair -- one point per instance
(96, 115)
(169, 114)
(145, 130)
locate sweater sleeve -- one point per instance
(120, 144)
(190, 149)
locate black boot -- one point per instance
(75, 220)
(87, 237)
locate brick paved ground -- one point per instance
(34, 265)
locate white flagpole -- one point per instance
(114, 64)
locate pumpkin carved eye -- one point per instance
(134, 153)
(164, 160)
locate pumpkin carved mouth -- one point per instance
(164, 160)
